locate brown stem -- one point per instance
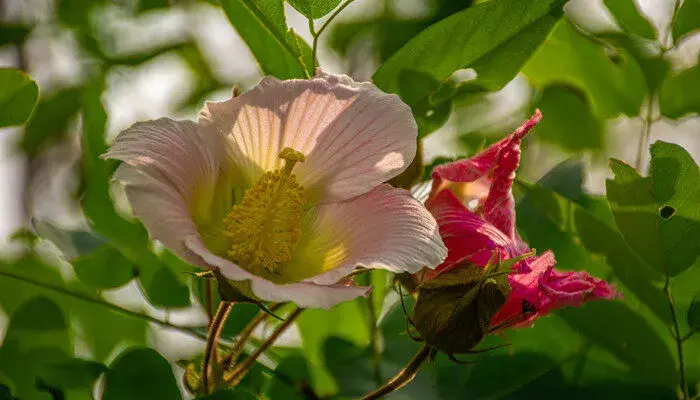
(237, 375)
(405, 376)
(210, 351)
(209, 299)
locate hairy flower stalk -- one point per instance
(280, 190)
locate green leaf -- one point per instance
(613, 87)
(680, 94)
(39, 314)
(630, 18)
(314, 8)
(659, 216)
(350, 366)
(262, 25)
(104, 268)
(150, 5)
(13, 33)
(18, 94)
(51, 120)
(495, 38)
(694, 313)
(71, 373)
(71, 243)
(140, 373)
(570, 122)
(687, 19)
(616, 327)
(229, 394)
(296, 371)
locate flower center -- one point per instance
(264, 228)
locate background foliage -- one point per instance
(93, 309)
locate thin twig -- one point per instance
(314, 35)
(646, 131)
(237, 375)
(374, 342)
(677, 336)
(210, 351)
(95, 300)
(405, 376)
(244, 335)
(323, 27)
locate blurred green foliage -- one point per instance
(62, 333)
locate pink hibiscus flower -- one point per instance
(473, 203)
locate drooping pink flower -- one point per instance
(473, 203)
(281, 188)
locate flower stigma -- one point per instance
(264, 228)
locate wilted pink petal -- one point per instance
(543, 290)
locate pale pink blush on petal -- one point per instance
(385, 228)
(353, 135)
(304, 294)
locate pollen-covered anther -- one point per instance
(264, 227)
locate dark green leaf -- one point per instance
(617, 328)
(694, 313)
(659, 216)
(680, 94)
(295, 371)
(687, 20)
(230, 394)
(149, 5)
(478, 37)
(12, 33)
(39, 314)
(630, 18)
(570, 122)
(261, 24)
(350, 366)
(140, 373)
(71, 373)
(104, 268)
(18, 94)
(6, 393)
(51, 119)
(569, 57)
(314, 8)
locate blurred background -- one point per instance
(591, 79)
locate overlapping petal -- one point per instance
(353, 135)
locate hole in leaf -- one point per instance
(667, 212)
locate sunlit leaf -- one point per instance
(569, 121)
(140, 373)
(262, 25)
(630, 18)
(477, 37)
(314, 8)
(659, 216)
(680, 94)
(687, 19)
(18, 94)
(613, 87)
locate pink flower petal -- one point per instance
(493, 171)
(467, 235)
(385, 228)
(544, 290)
(304, 294)
(353, 135)
(165, 163)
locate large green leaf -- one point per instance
(659, 216)
(569, 57)
(630, 18)
(104, 268)
(687, 19)
(569, 121)
(18, 94)
(262, 25)
(51, 119)
(495, 38)
(140, 373)
(314, 8)
(680, 94)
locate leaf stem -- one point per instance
(237, 375)
(677, 337)
(317, 34)
(374, 342)
(208, 298)
(312, 30)
(404, 376)
(244, 335)
(646, 130)
(210, 351)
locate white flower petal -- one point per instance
(354, 136)
(386, 229)
(166, 164)
(304, 294)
